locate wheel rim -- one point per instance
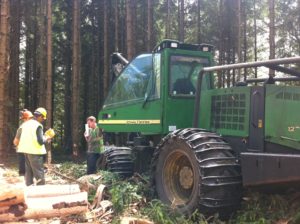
(178, 178)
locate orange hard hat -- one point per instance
(25, 114)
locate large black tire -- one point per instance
(120, 160)
(195, 169)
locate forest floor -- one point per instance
(135, 197)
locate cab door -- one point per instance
(133, 103)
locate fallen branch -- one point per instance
(82, 184)
(98, 196)
(140, 177)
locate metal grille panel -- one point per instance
(228, 111)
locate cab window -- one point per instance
(132, 83)
(184, 71)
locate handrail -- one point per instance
(273, 63)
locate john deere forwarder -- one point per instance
(203, 142)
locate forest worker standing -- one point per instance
(94, 137)
(25, 115)
(32, 145)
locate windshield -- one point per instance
(132, 83)
(184, 71)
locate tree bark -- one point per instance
(238, 42)
(105, 50)
(68, 78)
(49, 75)
(199, 21)
(168, 22)
(221, 44)
(255, 38)
(31, 51)
(181, 21)
(149, 25)
(116, 25)
(11, 195)
(42, 54)
(130, 34)
(4, 71)
(75, 77)
(272, 33)
(245, 38)
(42, 213)
(13, 83)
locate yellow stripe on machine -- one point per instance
(129, 121)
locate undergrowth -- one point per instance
(136, 197)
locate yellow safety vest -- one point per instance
(28, 140)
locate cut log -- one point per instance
(10, 195)
(48, 202)
(42, 213)
(51, 190)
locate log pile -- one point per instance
(36, 202)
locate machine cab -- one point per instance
(155, 93)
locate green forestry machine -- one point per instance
(202, 143)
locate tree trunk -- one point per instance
(68, 79)
(272, 33)
(168, 22)
(57, 201)
(11, 195)
(245, 38)
(255, 38)
(42, 54)
(4, 71)
(49, 75)
(149, 25)
(130, 34)
(199, 21)
(40, 191)
(75, 77)
(181, 21)
(105, 50)
(238, 42)
(42, 213)
(116, 25)
(221, 44)
(13, 83)
(31, 68)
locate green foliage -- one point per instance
(296, 218)
(161, 213)
(257, 208)
(262, 209)
(72, 170)
(123, 194)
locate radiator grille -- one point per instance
(228, 111)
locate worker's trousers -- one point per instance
(92, 162)
(34, 168)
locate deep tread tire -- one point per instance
(120, 160)
(196, 169)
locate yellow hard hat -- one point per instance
(41, 111)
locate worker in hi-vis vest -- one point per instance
(25, 115)
(31, 143)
